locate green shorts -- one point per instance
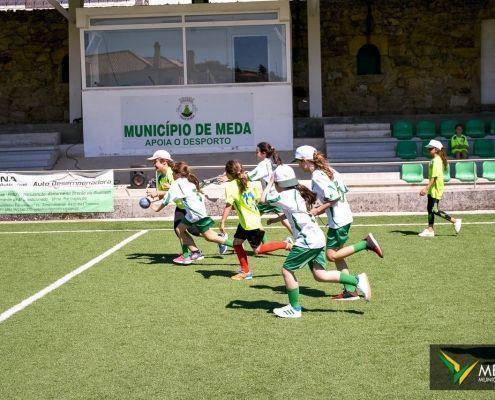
(336, 238)
(300, 257)
(202, 225)
(269, 208)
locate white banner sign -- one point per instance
(201, 121)
(56, 192)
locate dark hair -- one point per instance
(308, 196)
(235, 170)
(459, 125)
(322, 164)
(270, 151)
(183, 170)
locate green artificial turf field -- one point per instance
(135, 326)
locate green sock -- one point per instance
(359, 246)
(265, 238)
(294, 298)
(229, 243)
(185, 251)
(348, 279)
(349, 288)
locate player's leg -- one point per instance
(359, 281)
(336, 238)
(293, 309)
(442, 214)
(186, 243)
(255, 239)
(430, 231)
(187, 251)
(244, 272)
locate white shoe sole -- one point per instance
(348, 299)
(364, 286)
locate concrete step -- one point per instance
(356, 127)
(22, 158)
(29, 139)
(358, 134)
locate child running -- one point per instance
(269, 158)
(162, 161)
(244, 197)
(186, 189)
(330, 191)
(434, 189)
(309, 246)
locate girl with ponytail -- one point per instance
(331, 190)
(309, 247)
(434, 189)
(244, 196)
(269, 160)
(186, 188)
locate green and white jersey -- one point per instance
(305, 230)
(263, 172)
(192, 200)
(339, 214)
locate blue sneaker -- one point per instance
(222, 248)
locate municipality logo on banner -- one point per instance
(186, 109)
(462, 367)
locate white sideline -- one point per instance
(23, 304)
(235, 227)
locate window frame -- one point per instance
(184, 25)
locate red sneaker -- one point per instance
(346, 296)
(372, 244)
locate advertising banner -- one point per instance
(56, 192)
(182, 122)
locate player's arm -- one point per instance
(280, 218)
(322, 208)
(426, 189)
(264, 195)
(225, 215)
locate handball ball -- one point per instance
(144, 202)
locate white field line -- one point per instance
(216, 217)
(234, 227)
(23, 304)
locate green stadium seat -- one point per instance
(475, 128)
(492, 127)
(407, 150)
(446, 174)
(447, 128)
(402, 130)
(426, 130)
(412, 173)
(489, 170)
(484, 148)
(465, 171)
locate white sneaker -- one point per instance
(222, 249)
(287, 312)
(457, 225)
(427, 233)
(363, 286)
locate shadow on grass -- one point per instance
(406, 233)
(152, 258)
(268, 306)
(303, 290)
(208, 273)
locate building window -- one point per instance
(64, 69)
(137, 57)
(236, 54)
(368, 60)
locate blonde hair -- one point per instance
(321, 163)
(235, 169)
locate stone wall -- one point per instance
(430, 56)
(32, 47)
